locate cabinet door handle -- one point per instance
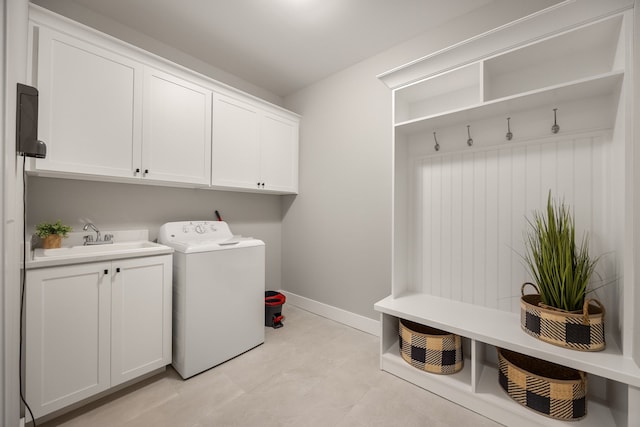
(137, 171)
(106, 271)
(146, 171)
(118, 270)
(263, 185)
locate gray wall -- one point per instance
(114, 206)
(337, 233)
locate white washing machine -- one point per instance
(218, 293)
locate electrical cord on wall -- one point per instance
(23, 278)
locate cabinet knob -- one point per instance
(118, 270)
(106, 271)
(263, 185)
(137, 171)
(146, 171)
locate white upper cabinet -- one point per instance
(279, 154)
(236, 144)
(176, 134)
(110, 111)
(253, 148)
(103, 114)
(89, 108)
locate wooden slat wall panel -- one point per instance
(472, 207)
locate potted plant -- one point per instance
(52, 233)
(560, 313)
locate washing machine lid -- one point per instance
(202, 236)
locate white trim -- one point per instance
(345, 317)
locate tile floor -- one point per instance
(311, 372)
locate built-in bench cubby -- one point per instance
(475, 152)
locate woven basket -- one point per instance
(582, 330)
(430, 349)
(552, 390)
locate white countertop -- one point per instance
(126, 244)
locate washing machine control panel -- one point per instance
(194, 231)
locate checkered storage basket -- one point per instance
(576, 330)
(430, 349)
(552, 390)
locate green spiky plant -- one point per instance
(561, 269)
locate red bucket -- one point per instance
(273, 302)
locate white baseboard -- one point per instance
(348, 318)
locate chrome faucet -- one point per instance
(94, 228)
(88, 239)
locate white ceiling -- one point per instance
(281, 45)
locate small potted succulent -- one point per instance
(52, 233)
(560, 313)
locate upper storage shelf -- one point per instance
(575, 55)
(596, 86)
(453, 90)
(583, 62)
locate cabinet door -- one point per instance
(140, 317)
(279, 154)
(177, 129)
(89, 107)
(236, 144)
(67, 335)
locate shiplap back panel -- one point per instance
(471, 208)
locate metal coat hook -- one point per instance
(437, 146)
(509, 135)
(469, 141)
(555, 128)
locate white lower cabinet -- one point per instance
(140, 317)
(67, 335)
(90, 327)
